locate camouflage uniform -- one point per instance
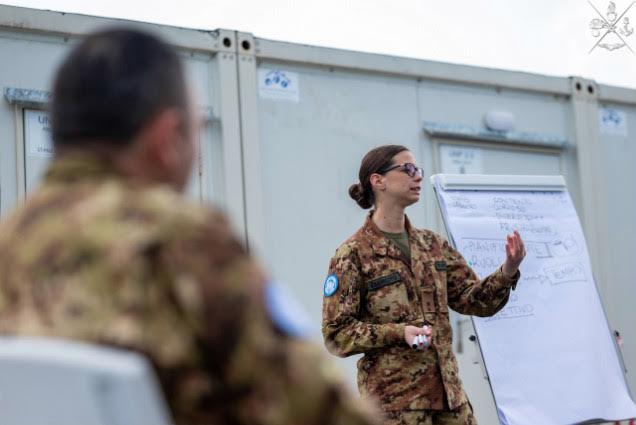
(380, 292)
(463, 415)
(93, 257)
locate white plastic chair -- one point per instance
(58, 382)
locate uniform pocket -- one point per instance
(436, 275)
(405, 379)
(377, 283)
(387, 299)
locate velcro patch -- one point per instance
(331, 285)
(379, 282)
(440, 266)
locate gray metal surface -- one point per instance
(616, 189)
(457, 131)
(34, 42)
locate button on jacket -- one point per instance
(380, 291)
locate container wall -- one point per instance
(33, 51)
(617, 132)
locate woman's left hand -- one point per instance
(515, 251)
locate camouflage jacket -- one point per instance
(380, 291)
(92, 256)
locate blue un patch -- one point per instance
(286, 312)
(331, 285)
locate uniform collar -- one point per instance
(380, 243)
(80, 166)
(420, 243)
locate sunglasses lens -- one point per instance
(412, 170)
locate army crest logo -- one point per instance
(611, 29)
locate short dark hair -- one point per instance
(374, 161)
(112, 84)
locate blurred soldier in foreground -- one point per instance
(107, 251)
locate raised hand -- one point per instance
(515, 251)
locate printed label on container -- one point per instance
(460, 160)
(278, 84)
(37, 133)
(612, 122)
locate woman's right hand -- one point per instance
(411, 332)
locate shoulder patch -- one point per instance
(331, 285)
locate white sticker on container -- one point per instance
(460, 160)
(37, 133)
(278, 84)
(612, 122)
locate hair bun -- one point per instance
(356, 191)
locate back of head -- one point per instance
(374, 161)
(111, 84)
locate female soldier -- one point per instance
(389, 289)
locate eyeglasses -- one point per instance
(411, 169)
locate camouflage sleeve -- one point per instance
(255, 373)
(343, 331)
(467, 294)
